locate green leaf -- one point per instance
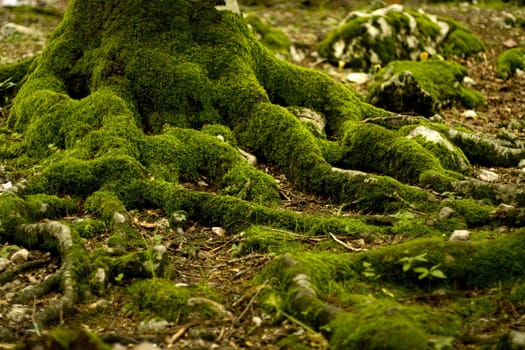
(423, 272)
(406, 267)
(366, 264)
(437, 274)
(421, 257)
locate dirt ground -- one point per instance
(205, 255)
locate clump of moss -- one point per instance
(380, 327)
(439, 81)
(509, 61)
(395, 33)
(162, 298)
(274, 39)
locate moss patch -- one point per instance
(509, 61)
(439, 81)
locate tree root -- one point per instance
(54, 235)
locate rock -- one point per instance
(468, 81)
(487, 175)
(219, 231)
(450, 155)
(311, 117)
(358, 78)
(460, 235)
(445, 213)
(437, 118)
(20, 256)
(402, 93)
(252, 159)
(469, 113)
(18, 314)
(365, 39)
(412, 87)
(154, 325)
(6, 186)
(510, 43)
(521, 165)
(4, 264)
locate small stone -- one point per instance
(445, 213)
(469, 81)
(517, 340)
(18, 314)
(7, 186)
(487, 175)
(469, 113)
(460, 235)
(510, 43)
(257, 321)
(252, 160)
(219, 231)
(4, 264)
(522, 164)
(20, 256)
(154, 325)
(437, 118)
(100, 276)
(146, 346)
(358, 78)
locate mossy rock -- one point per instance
(392, 33)
(422, 87)
(509, 61)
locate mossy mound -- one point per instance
(274, 39)
(509, 61)
(393, 33)
(422, 87)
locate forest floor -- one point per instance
(207, 256)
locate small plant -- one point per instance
(369, 271)
(424, 272)
(119, 278)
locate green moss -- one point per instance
(367, 146)
(440, 79)
(11, 78)
(460, 41)
(374, 38)
(89, 228)
(47, 206)
(162, 298)
(64, 339)
(379, 327)
(509, 61)
(220, 131)
(275, 39)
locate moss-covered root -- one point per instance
(485, 151)
(108, 207)
(279, 136)
(509, 61)
(53, 235)
(11, 78)
(235, 214)
(497, 193)
(65, 339)
(372, 327)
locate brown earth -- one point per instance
(204, 255)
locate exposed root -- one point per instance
(63, 242)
